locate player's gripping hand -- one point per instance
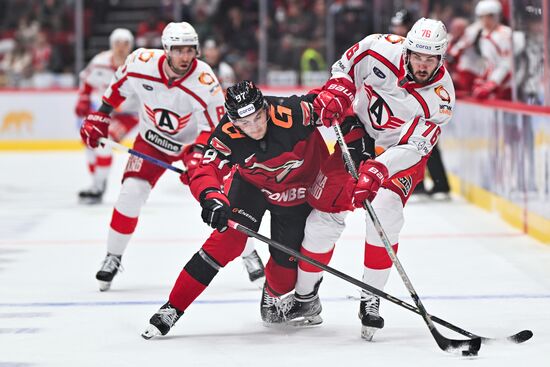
(95, 126)
(215, 208)
(333, 101)
(372, 175)
(192, 156)
(83, 106)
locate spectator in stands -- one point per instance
(149, 32)
(17, 65)
(529, 56)
(401, 22)
(213, 57)
(41, 53)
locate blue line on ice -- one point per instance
(255, 300)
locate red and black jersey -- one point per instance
(282, 165)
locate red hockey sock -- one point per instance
(280, 280)
(185, 291)
(123, 224)
(377, 257)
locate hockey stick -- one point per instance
(114, 144)
(516, 338)
(469, 346)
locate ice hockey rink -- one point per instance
(468, 266)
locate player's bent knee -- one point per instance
(133, 195)
(322, 230)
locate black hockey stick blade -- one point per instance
(517, 338)
(468, 347)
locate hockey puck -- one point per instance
(469, 353)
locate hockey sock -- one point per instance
(309, 275)
(193, 280)
(280, 280)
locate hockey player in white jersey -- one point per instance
(485, 52)
(401, 93)
(180, 102)
(94, 80)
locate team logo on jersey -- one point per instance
(404, 184)
(220, 147)
(278, 173)
(380, 114)
(443, 94)
(379, 73)
(206, 78)
(166, 120)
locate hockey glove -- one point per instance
(333, 101)
(372, 175)
(83, 105)
(215, 208)
(484, 90)
(95, 126)
(192, 156)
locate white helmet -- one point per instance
(488, 7)
(179, 34)
(121, 34)
(427, 36)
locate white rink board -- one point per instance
(469, 268)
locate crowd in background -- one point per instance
(37, 37)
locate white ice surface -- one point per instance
(468, 266)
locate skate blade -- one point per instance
(368, 332)
(305, 321)
(104, 286)
(150, 332)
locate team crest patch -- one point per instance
(167, 121)
(443, 94)
(206, 78)
(404, 184)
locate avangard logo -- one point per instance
(166, 120)
(284, 169)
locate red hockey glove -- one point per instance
(333, 101)
(484, 90)
(83, 107)
(372, 175)
(192, 156)
(95, 126)
(215, 208)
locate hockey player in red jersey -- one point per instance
(180, 103)
(401, 93)
(276, 149)
(94, 80)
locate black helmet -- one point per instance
(243, 99)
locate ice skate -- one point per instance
(255, 268)
(92, 195)
(110, 267)
(440, 196)
(297, 310)
(162, 321)
(368, 313)
(269, 308)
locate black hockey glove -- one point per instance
(215, 208)
(360, 144)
